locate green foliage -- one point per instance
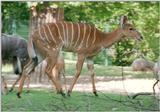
(44, 100)
(104, 15)
(123, 57)
(13, 13)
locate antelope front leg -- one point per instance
(90, 66)
(79, 66)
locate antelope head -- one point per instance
(128, 30)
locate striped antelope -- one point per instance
(81, 38)
(38, 18)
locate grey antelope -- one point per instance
(81, 38)
(14, 51)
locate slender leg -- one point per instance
(21, 83)
(65, 82)
(40, 74)
(79, 66)
(26, 71)
(90, 66)
(15, 83)
(51, 61)
(28, 83)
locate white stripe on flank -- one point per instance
(40, 34)
(72, 34)
(94, 36)
(51, 33)
(84, 32)
(58, 14)
(64, 36)
(46, 36)
(59, 32)
(78, 35)
(88, 35)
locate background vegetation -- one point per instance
(105, 16)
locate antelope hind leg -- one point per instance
(26, 71)
(51, 61)
(90, 66)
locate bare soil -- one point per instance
(104, 84)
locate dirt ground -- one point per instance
(104, 84)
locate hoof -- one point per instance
(95, 93)
(18, 95)
(11, 90)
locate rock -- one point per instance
(142, 64)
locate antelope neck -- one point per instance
(109, 39)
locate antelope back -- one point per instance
(73, 36)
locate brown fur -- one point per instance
(49, 48)
(37, 19)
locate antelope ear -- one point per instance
(123, 21)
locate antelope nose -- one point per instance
(141, 37)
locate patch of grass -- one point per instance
(112, 71)
(45, 100)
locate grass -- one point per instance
(45, 100)
(113, 71)
(100, 70)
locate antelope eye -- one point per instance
(130, 28)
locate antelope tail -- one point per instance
(32, 52)
(19, 65)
